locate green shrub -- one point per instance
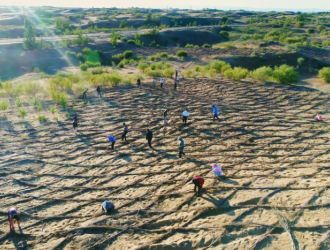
(124, 39)
(285, 74)
(225, 67)
(35, 101)
(142, 66)
(36, 70)
(80, 57)
(236, 73)
(71, 54)
(310, 31)
(224, 34)
(131, 42)
(92, 64)
(326, 43)
(152, 66)
(212, 73)
(153, 44)
(159, 65)
(168, 72)
(182, 53)
(22, 112)
(31, 88)
(262, 74)
(299, 24)
(188, 45)
(128, 54)
(167, 65)
(40, 107)
(61, 98)
(320, 28)
(163, 54)
(188, 73)
(19, 102)
(325, 74)
(206, 45)
(98, 70)
(153, 73)
(300, 61)
(217, 65)
(226, 45)
(4, 105)
(121, 65)
(52, 109)
(117, 58)
(83, 66)
(41, 118)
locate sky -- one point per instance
(315, 5)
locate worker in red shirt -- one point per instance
(198, 181)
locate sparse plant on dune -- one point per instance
(19, 102)
(35, 101)
(52, 109)
(22, 112)
(4, 105)
(41, 118)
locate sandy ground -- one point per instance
(274, 156)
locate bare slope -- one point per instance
(274, 158)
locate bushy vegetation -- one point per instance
(324, 74)
(81, 40)
(285, 74)
(182, 53)
(236, 73)
(262, 74)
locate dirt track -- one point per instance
(273, 155)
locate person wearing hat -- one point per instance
(217, 171)
(13, 215)
(112, 140)
(107, 207)
(198, 182)
(181, 146)
(185, 116)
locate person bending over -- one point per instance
(13, 215)
(198, 182)
(107, 207)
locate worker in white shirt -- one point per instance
(161, 82)
(185, 116)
